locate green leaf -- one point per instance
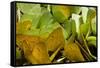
(61, 13)
(67, 28)
(88, 14)
(47, 24)
(76, 18)
(18, 53)
(75, 9)
(93, 25)
(84, 28)
(91, 14)
(91, 41)
(84, 13)
(31, 12)
(91, 38)
(73, 27)
(29, 8)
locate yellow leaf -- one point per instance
(55, 39)
(23, 26)
(34, 48)
(72, 52)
